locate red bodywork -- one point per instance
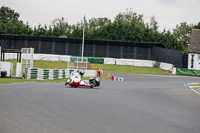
(75, 82)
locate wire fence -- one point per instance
(94, 48)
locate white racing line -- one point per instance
(195, 91)
(192, 87)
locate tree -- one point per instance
(10, 23)
(95, 23)
(76, 30)
(61, 28)
(197, 26)
(153, 24)
(183, 33)
(40, 31)
(6, 14)
(127, 26)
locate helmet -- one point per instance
(81, 72)
(97, 79)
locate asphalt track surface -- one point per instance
(140, 104)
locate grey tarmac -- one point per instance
(140, 104)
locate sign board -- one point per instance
(194, 61)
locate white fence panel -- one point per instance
(109, 61)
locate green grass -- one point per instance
(15, 80)
(12, 80)
(49, 64)
(63, 65)
(130, 69)
(194, 85)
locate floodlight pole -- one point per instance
(83, 39)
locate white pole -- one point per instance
(83, 37)
(31, 61)
(26, 58)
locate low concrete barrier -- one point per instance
(111, 61)
(133, 62)
(46, 57)
(51, 74)
(166, 66)
(42, 74)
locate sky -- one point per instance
(168, 13)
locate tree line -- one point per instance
(127, 26)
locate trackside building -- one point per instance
(194, 50)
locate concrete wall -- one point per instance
(8, 67)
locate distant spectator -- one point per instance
(98, 71)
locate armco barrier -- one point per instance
(188, 72)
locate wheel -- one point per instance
(72, 86)
(91, 86)
(75, 86)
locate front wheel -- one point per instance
(91, 86)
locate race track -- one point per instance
(140, 104)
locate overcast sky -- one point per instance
(168, 13)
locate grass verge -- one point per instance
(63, 65)
(130, 69)
(14, 80)
(194, 85)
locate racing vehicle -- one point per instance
(75, 80)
